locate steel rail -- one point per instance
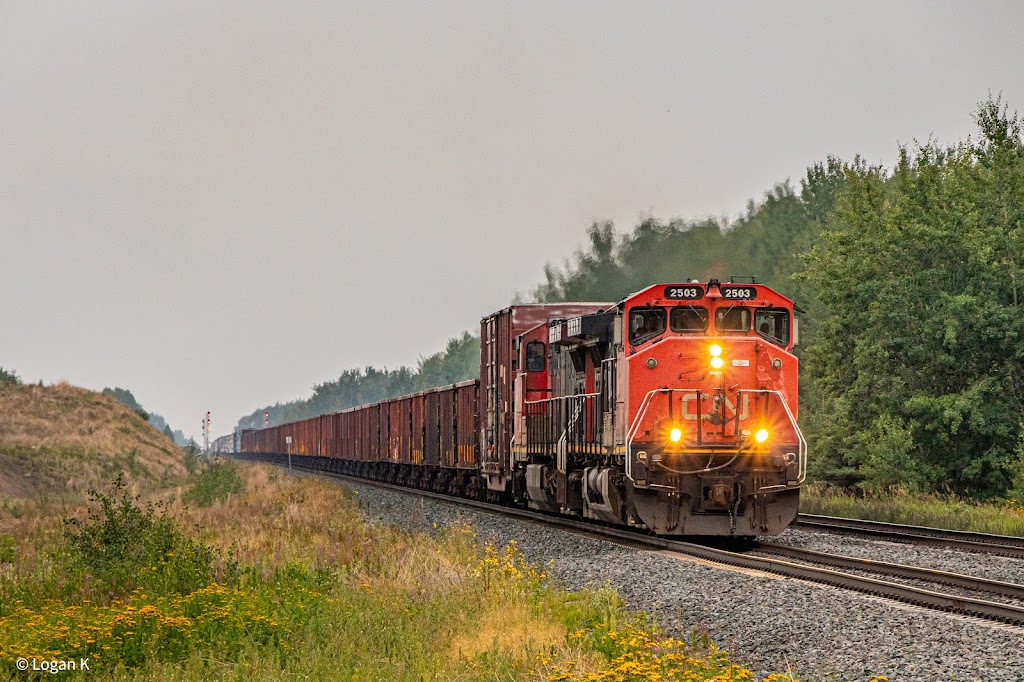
(968, 582)
(1004, 545)
(980, 608)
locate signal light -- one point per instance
(715, 350)
(675, 435)
(266, 419)
(761, 436)
(716, 363)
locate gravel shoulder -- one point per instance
(769, 624)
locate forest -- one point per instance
(912, 341)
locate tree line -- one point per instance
(912, 341)
(460, 360)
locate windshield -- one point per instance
(773, 325)
(732, 319)
(688, 319)
(645, 323)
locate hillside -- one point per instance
(61, 439)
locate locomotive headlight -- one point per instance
(675, 435)
(717, 363)
(715, 350)
(761, 436)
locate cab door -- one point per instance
(532, 384)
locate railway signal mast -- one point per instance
(206, 432)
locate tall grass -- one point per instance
(290, 581)
(936, 511)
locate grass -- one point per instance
(937, 511)
(285, 579)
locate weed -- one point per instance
(147, 628)
(636, 650)
(214, 483)
(13, 508)
(8, 548)
(191, 457)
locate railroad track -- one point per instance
(964, 582)
(971, 606)
(1003, 545)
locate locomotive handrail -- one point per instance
(561, 397)
(576, 405)
(801, 441)
(635, 426)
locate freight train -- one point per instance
(673, 410)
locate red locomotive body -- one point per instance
(710, 393)
(673, 410)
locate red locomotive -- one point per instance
(673, 410)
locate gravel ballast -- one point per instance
(769, 624)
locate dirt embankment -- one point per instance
(61, 439)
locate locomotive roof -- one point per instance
(708, 284)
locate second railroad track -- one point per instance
(1003, 545)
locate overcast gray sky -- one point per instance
(219, 204)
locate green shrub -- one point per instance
(124, 546)
(214, 483)
(8, 549)
(9, 377)
(192, 457)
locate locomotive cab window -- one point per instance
(645, 323)
(773, 325)
(535, 360)
(732, 319)
(688, 318)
